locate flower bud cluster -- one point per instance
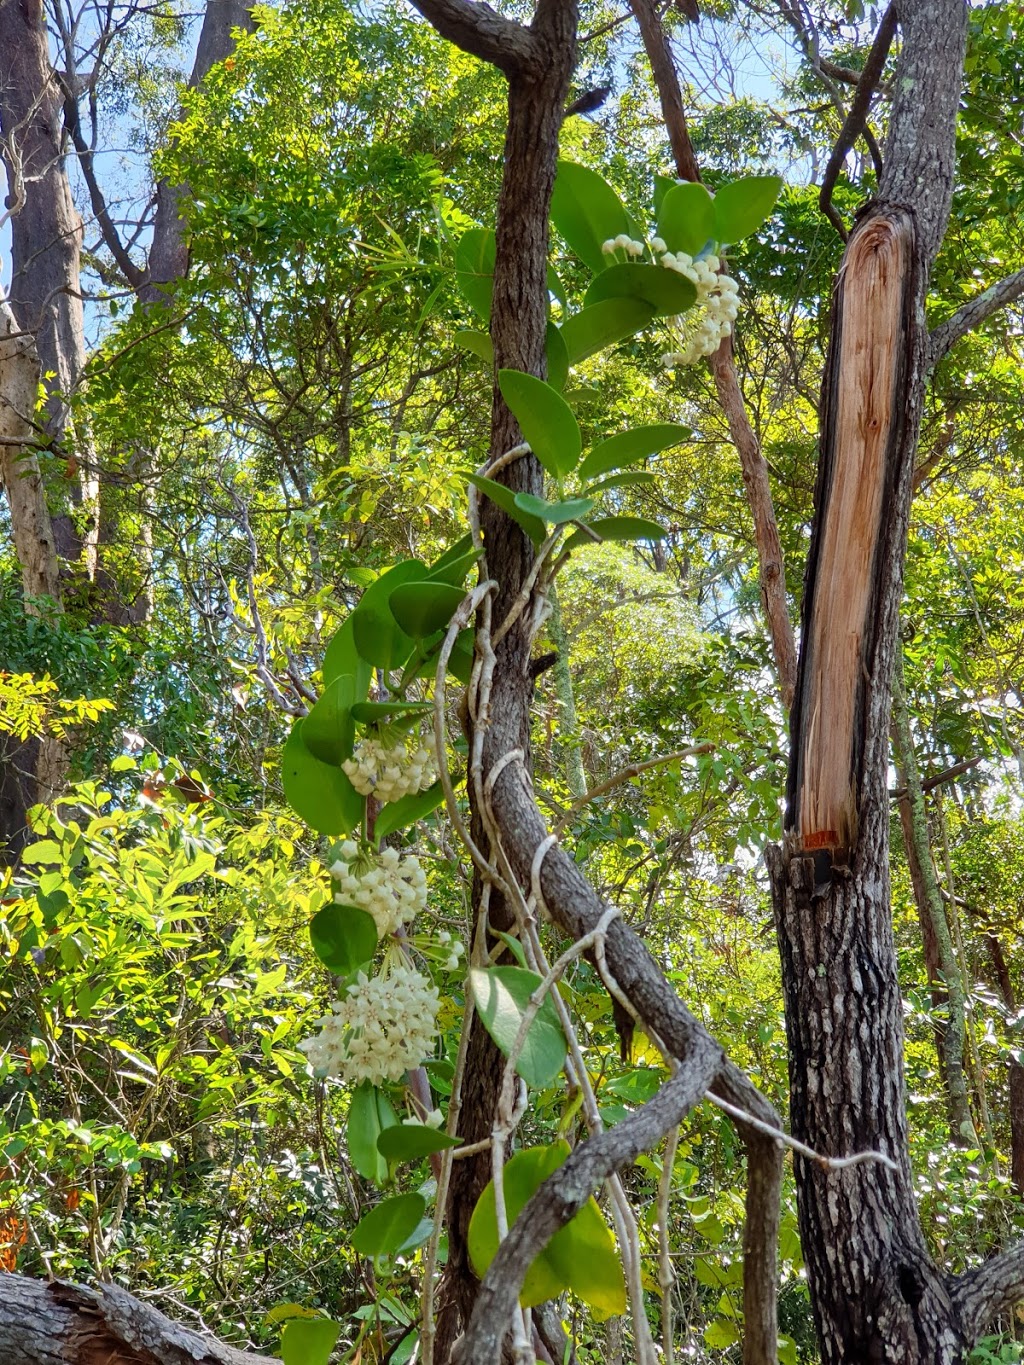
(390, 771)
(623, 242)
(383, 1028)
(701, 328)
(390, 887)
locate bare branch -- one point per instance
(994, 1288)
(945, 336)
(479, 30)
(627, 774)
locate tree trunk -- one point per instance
(57, 1323)
(1016, 1068)
(518, 327)
(875, 1293)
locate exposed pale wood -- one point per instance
(868, 356)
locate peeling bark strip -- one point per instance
(862, 444)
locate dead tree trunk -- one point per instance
(875, 1292)
(57, 1323)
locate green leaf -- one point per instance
(409, 1141)
(319, 793)
(370, 1114)
(662, 185)
(407, 810)
(586, 211)
(602, 325)
(425, 607)
(477, 343)
(666, 291)
(618, 528)
(555, 286)
(455, 552)
(387, 1226)
(581, 1256)
(634, 476)
(341, 656)
(742, 206)
(721, 1333)
(378, 637)
(554, 513)
(501, 995)
(474, 269)
(558, 357)
(454, 571)
(545, 419)
(344, 938)
(328, 732)
(505, 499)
(628, 447)
(308, 1341)
(686, 218)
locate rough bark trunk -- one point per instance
(1015, 1068)
(518, 326)
(875, 1294)
(57, 1323)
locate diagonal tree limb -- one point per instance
(856, 119)
(994, 1288)
(563, 1194)
(479, 30)
(972, 314)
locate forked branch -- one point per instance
(973, 313)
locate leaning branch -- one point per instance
(479, 30)
(945, 336)
(994, 1288)
(42, 1322)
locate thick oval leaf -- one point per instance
(635, 476)
(630, 446)
(666, 291)
(523, 1175)
(506, 500)
(742, 206)
(455, 551)
(423, 608)
(378, 636)
(319, 793)
(308, 1341)
(370, 1113)
(454, 571)
(341, 656)
(686, 218)
(328, 732)
(474, 270)
(409, 1141)
(501, 995)
(618, 528)
(386, 1227)
(477, 343)
(586, 211)
(545, 419)
(581, 1256)
(554, 513)
(407, 810)
(602, 325)
(343, 938)
(557, 356)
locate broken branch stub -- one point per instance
(861, 449)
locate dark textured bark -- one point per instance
(875, 1293)
(56, 1323)
(1015, 1068)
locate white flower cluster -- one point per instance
(390, 771)
(391, 888)
(383, 1027)
(623, 242)
(700, 330)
